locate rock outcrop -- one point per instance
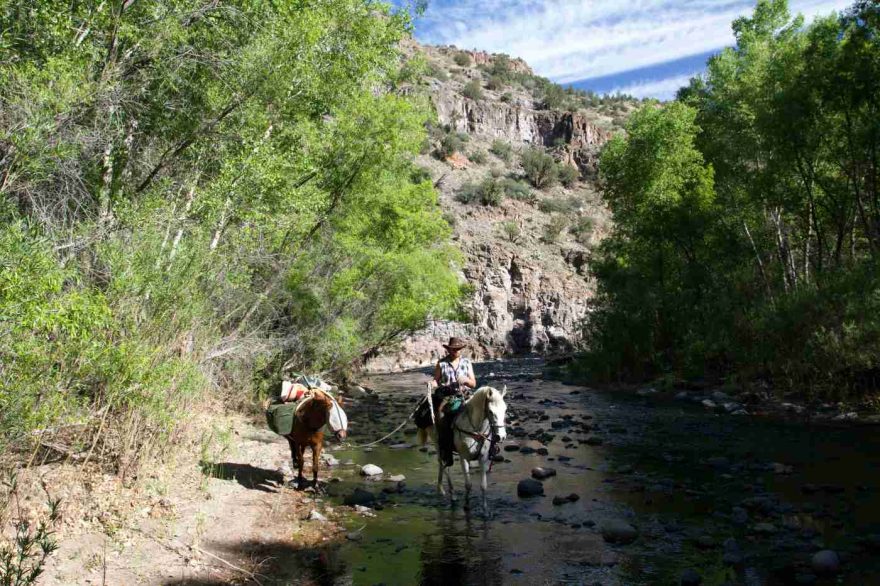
(530, 293)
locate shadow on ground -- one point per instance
(248, 476)
(273, 563)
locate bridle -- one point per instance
(494, 428)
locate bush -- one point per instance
(582, 229)
(479, 157)
(511, 231)
(449, 144)
(554, 227)
(518, 190)
(506, 97)
(496, 82)
(539, 167)
(560, 205)
(437, 72)
(462, 59)
(502, 150)
(419, 175)
(567, 175)
(489, 192)
(473, 90)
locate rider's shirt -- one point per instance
(449, 374)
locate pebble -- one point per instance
(561, 500)
(708, 403)
(397, 478)
(370, 470)
(316, 516)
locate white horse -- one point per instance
(479, 424)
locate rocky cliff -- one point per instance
(530, 285)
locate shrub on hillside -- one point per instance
(582, 229)
(560, 205)
(479, 157)
(554, 227)
(518, 190)
(539, 167)
(489, 192)
(496, 82)
(567, 175)
(462, 59)
(449, 144)
(511, 230)
(506, 97)
(473, 90)
(501, 149)
(437, 72)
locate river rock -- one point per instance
(316, 516)
(690, 577)
(329, 459)
(647, 392)
(370, 470)
(359, 497)
(526, 450)
(397, 478)
(618, 531)
(708, 403)
(529, 488)
(511, 448)
(543, 473)
(732, 553)
(561, 500)
(593, 441)
(825, 562)
(739, 516)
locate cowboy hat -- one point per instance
(455, 344)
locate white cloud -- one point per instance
(569, 40)
(662, 89)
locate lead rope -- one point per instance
(385, 437)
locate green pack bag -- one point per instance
(279, 416)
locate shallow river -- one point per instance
(736, 499)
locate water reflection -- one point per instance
(461, 550)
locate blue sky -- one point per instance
(647, 48)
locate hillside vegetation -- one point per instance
(747, 216)
(193, 196)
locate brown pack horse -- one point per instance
(312, 415)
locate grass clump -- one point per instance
(473, 90)
(554, 227)
(502, 149)
(462, 59)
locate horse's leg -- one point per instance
(465, 469)
(292, 445)
(440, 477)
(301, 461)
(316, 460)
(484, 484)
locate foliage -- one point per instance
(473, 90)
(501, 149)
(450, 144)
(479, 157)
(561, 205)
(511, 231)
(23, 557)
(539, 167)
(567, 175)
(746, 214)
(196, 196)
(554, 227)
(582, 229)
(489, 192)
(518, 190)
(462, 59)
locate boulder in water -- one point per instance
(690, 577)
(618, 531)
(370, 470)
(529, 488)
(543, 473)
(825, 562)
(360, 497)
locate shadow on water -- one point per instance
(248, 476)
(275, 564)
(456, 554)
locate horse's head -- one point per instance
(496, 410)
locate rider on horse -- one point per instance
(454, 379)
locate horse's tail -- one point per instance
(424, 434)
